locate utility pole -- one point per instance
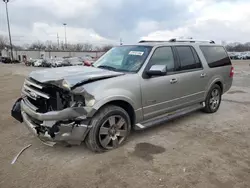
(65, 35)
(121, 41)
(58, 45)
(8, 22)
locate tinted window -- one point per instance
(216, 56)
(188, 58)
(163, 56)
(196, 57)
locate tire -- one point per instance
(213, 99)
(103, 136)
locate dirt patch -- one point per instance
(147, 150)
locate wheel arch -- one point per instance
(124, 103)
(218, 82)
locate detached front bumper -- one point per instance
(57, 126)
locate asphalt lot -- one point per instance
(198, 150)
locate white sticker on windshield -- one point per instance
(136, 53)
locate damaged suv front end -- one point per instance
(52, 107)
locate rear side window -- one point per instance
(216, 56)
(188, 58)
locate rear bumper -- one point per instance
(56, 126)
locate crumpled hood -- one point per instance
(73, 75)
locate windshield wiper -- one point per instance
(107, 67)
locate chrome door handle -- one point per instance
(203, 75)
(174, 80)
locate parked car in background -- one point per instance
(5, 60)
(42, 63)
(239, 55)
(66, 61)
(245, 56)
(30, 62)
(87, 60)
(38, 63)
(74, 61)
(46, 63)
(15, 61)
(57, 62)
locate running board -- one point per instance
(169, 116)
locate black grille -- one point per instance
(56, 98)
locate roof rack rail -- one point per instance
(178, 40)
(191, 40)
(145, 41)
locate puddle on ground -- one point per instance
(237, 91)
(147, 150)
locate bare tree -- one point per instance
(3, 42)
(50, 45)
(37, 46)
(25, 46)
(107, 47)
(98, 48)
(62, 45)
(79, 47)
(88, 47)
(70, 47)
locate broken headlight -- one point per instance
(79, 101)
(89, 99)
(65, 85)
(83, 100)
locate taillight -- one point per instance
(231, 72)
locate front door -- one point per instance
(160, 94)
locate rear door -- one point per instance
(192, 76)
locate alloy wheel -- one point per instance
(214, 100)
(113, 132)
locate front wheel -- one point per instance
(110, 128)
(213, 99)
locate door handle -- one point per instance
(203, 75)
(174, 80)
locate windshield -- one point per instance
(124, 58)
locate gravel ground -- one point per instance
(198, 150)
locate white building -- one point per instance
(35, 54)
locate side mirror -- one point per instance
(157, 70)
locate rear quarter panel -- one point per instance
(217, 74)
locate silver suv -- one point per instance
(130, 87)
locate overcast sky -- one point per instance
(102, 21)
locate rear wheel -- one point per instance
(213, 99)
(110, 129)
